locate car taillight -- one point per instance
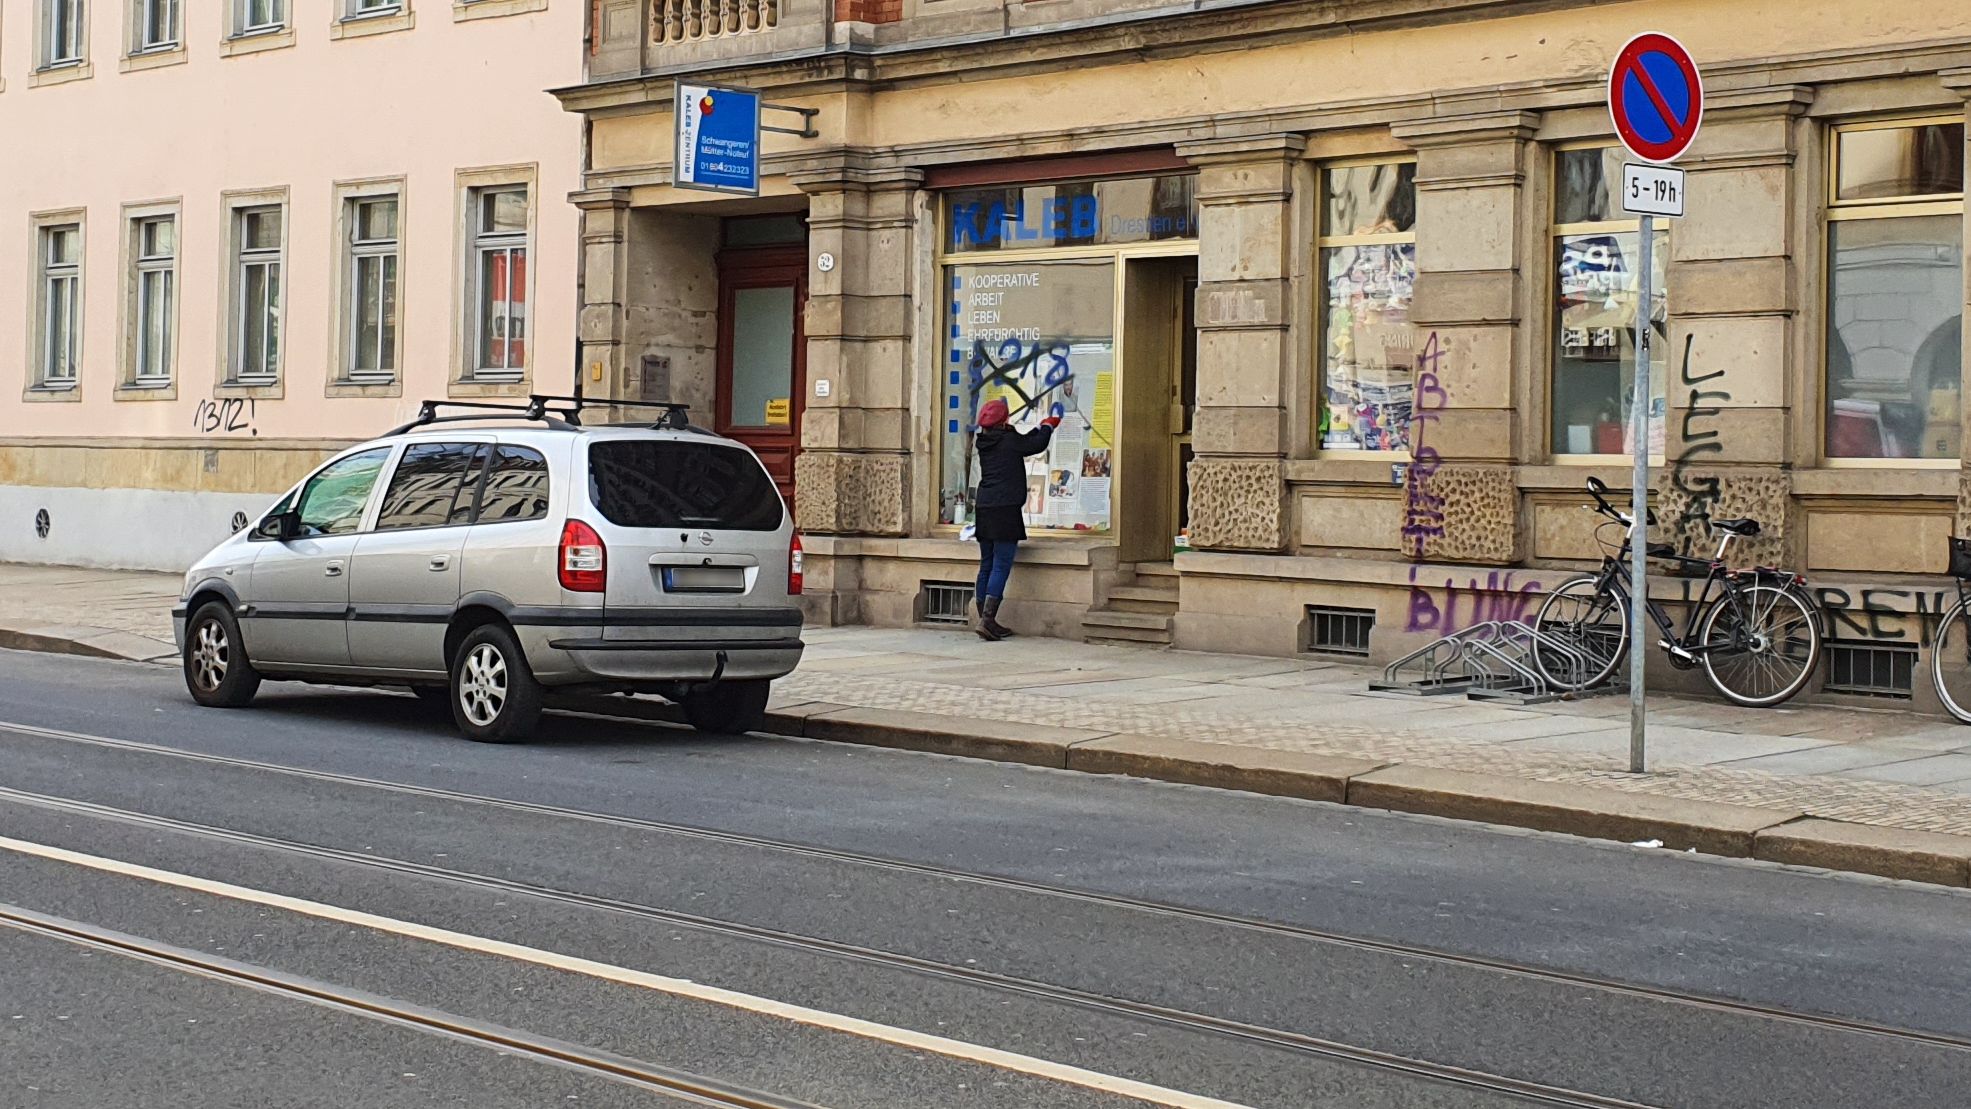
(794, 567)
(584, 562)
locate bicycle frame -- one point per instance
(1614, 579)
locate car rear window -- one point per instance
(668, 483)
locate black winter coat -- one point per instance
(1002, 463)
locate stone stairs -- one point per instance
(1139, 613)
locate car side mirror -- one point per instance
(281, 525)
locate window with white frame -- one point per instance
(64, 23)
(499, 283)
(256, 330)
(157, 24)
(253, 17)
(358, 9)
(59, 351)
(154, 262)
(371, 326)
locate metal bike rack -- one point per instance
(1491, 661)
(1437, 668)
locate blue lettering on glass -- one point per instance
(1019, 369)
(1078, 217)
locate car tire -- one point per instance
(217, 672)
(728, 708)
(494, 697)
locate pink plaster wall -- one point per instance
(421, 103)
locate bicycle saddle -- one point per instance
(1736, 527)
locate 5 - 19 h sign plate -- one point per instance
(1652, 190)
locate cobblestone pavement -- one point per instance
(132, 601)
(1878, 767)
(1703, 750)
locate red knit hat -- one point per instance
(993, 413)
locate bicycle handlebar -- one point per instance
(1599, 490)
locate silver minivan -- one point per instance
(484, 559)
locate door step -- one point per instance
(1111, 626)
(1143, 598)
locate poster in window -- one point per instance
(1039, 336)
(509, 309)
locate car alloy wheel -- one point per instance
(210, 655)
(483, 685)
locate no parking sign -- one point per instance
(1655, 97)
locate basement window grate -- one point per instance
(1871, 670)
(945, 602)
(1339, 631)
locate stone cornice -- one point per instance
(1957, 81)
(1242, 149)
(1468, 130)
(596, 200)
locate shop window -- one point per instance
(1596, 310)
(1368, 247)
(1041, 336)
(1895, 291)
(1084, 213)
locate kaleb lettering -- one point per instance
(980, 225)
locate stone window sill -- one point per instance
(51, 394)
(128, 391)
(463, 10)
(153, 59)
(61, 74)
(229, 389)
(469, 389)
(256, 42)
(367, 389)
(381, 23)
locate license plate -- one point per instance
(704, 579)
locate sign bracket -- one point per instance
(807, 115)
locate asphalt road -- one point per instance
(329, 899)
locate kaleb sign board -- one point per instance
(718, 139)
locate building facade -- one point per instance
(240, 234)
(1338, 300)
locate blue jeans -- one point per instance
(995, 566)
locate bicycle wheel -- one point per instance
(1766, 656)
(1593, 622)
(1950, 662)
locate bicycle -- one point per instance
(1758, 639)
(1952, 647)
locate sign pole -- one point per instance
(1655, 101)
(1639, 503)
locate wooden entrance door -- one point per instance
(762, 360)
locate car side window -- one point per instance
(332, 501)
(516, 486)
(430, 487)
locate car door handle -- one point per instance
(439, 562)
(333, 569)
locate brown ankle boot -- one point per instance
(989, 625)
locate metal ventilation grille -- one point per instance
(944, 602)
(1339, 631)
(1871, 670)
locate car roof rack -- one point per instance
(561, 413)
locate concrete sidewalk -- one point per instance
(1881, 791)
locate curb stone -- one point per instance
(1713, 828)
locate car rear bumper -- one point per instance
(645, 646)
(690, 661)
